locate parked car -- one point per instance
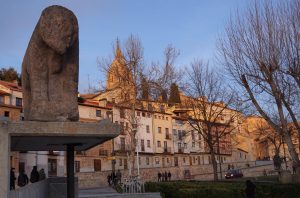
(235, 173)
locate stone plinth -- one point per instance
(45, 136)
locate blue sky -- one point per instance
(192, 26)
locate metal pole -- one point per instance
(137, 156)
(70, 171)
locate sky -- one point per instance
(191, 26)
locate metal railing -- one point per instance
(133, 185)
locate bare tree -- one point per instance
(166, 73)
(259, 53)
(127, 73)
(211, 114)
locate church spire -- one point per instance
(118, 53)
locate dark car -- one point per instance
(234, 174)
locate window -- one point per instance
(142, 145)
(147, 161)
(98, 113)
(156, 160)
(122, 140)
(162, 117)
(148, 144)
(103, 152)
(1, 99)
(159, 117)
(113, 100)
(158, 144)
(194, 159)
(19, 102)
(159, 129)
(143, 114)
(174, 132)
(183, 160)
(155, 116)
(97, 165)
(148, 115)
(122, 113)
(138, 113)
(193, 144)
(240, 155)
(6, 114)
(125, 164)
(167, 118)
(185, 145)
(148, 128)
(193, 135)
(245, 157)
(122, 127)
(120, 162)
(77, 166)
(168, 137)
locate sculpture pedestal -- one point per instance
(46, 136)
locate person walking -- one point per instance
(119, 176)
(250, 189)
(22, 179)
(169, 176)
(42, 174)
(294, 169)
(166, 176)
(34, 175)
(158, 176)
(12, 179)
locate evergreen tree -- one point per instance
(9, 75)
(164, 96)
(174, 94)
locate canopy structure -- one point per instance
(46, 136)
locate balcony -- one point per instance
(168, 137)
(103, 153)
(180, 150)
(167, 150)
(121, 148)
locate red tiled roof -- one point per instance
(11, 85)
(4, 93)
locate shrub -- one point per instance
(221, 189)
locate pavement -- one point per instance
(93, 192)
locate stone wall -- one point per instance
(197, 172)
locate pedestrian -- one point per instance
(294, 169)
(166, 176)
(113, 178)
(228, 168)
(22, 179)
(162, 176)
(12, 179)
(159, 176)
(42, 174)
(109, 179)
(34, 175)
(119, 176)
(169, 176)
(250, 189)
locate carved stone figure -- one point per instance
(50, 68)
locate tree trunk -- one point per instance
(214, 164)
(292, 151)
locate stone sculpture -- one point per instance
(50, 68)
